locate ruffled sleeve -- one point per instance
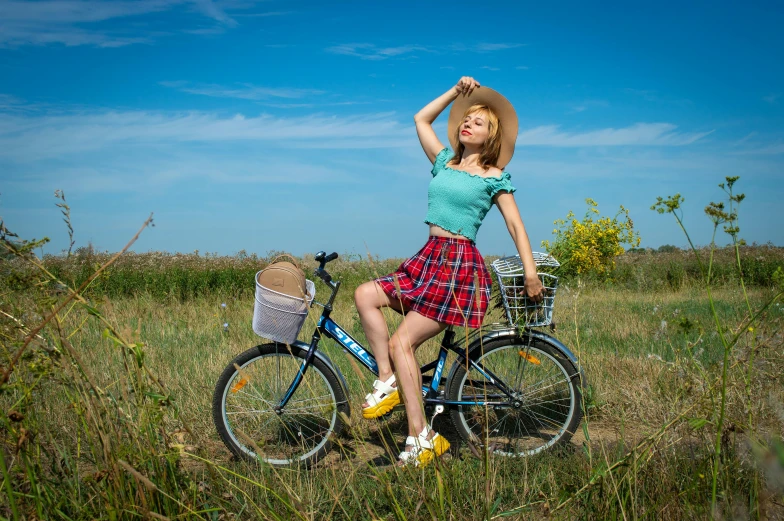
(502, 184)
(441, 160)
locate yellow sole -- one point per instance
(440, 446)
(384, 406)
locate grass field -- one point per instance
(115, 398)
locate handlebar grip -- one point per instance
(332, 256)
(323, 275)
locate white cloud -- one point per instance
(289, 105)
(522, 67)
(314, 105)
(26, 138)
(241, 91)
(151, 151)
(23, 139)
(210, 9)
(264, 15)
(777, 148)
(369, 51)
(483, 47)
(654, 96)
(639, 134)
(586, 104)
(8, 102)
(487, 67)
(491, 47)
(77, 11)
(146, 150)
(34, 34)
(76, 22)
(744, 138)
(154, 174)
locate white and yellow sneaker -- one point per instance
(383, 399)
(423, 451)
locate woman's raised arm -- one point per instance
(424, 118)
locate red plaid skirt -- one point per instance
(439, 282)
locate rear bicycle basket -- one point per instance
(522, 311)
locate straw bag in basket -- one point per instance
(284, 277)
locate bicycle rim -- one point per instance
(542, 412)
(295, 435)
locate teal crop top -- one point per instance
(458, 201)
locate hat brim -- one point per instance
(498, 104)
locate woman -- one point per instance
(437, 287)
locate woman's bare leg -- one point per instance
(370, 298)
(413, 332)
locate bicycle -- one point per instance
(514, 392)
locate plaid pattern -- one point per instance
(439, 282)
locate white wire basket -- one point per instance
(520, 310)
(278, 316)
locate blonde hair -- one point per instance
(492, 146)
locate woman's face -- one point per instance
(474, 130)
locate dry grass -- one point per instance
(635, 368)
(648, 356)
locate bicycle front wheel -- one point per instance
(254, 383)
(542, 405)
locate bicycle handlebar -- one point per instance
(323, 259)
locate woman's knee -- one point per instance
(364, 295)
(400, 343)
(369, 295)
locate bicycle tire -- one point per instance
(243, 401)
(547, 405)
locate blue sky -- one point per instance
(272, 125)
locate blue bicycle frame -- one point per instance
(329, 328)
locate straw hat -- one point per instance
(498, 104)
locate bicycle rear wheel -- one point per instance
(544, 410)
(254, 383)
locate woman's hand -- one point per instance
(424, 118)
(466, 85)
(534, 288)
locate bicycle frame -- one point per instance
(430, 392)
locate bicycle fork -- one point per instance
(300, 373)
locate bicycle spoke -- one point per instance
(277, 378)
(255, 397)
(246, 410)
